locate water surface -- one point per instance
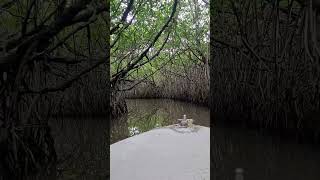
(82, 148)
(147, 114)
(82, 145)
(260, 155)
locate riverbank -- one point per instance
(170, 99)
(190, 85)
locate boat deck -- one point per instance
(162, 154)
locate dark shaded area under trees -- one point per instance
(265, 68)
(54, 60)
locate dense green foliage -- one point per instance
(182, 45)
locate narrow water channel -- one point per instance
(259, 155)
(147, 114)
(81, 144)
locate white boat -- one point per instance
(168, 153)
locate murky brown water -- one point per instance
(82, 148)
(147, 114)
(82, 144)
(262, 157)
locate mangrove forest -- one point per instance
(159, 89)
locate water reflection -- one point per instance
(261, 156)
(81, 146)
(147, 114)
